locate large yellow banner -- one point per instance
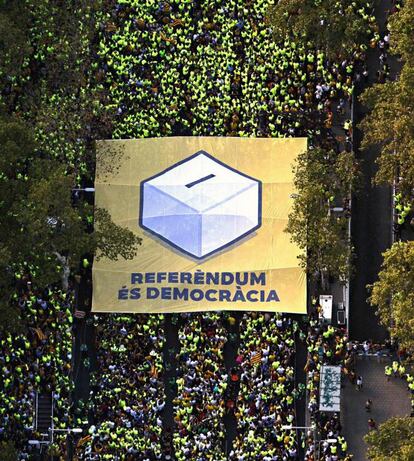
(211, 212)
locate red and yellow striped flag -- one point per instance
(256, 358)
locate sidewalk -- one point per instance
(388, 399)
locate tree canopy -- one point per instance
(389, 123)
(394, 441)
(393, 293)
(336, 27)
(43, 229)
(8, 451)
(15, 47)
(401, 26)
(321, 178)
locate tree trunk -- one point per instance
(324, 281)
(64, 261)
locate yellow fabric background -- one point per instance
(268, 249)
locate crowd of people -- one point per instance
(326, 345)
(402, 368)
(127, 390)
(180, 68)
(265, 403)
(214, 68)
(201, 385)
(36, 361)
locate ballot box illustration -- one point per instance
(200, 205)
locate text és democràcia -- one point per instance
(240, 287)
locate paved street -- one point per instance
(371, 217)
(389, 399)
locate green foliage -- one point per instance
(8, 451)
(40, 224)
(112, 240)
(15, 46)
(393, 293)
(338, 28)
(390, 123)
(46, 72)
(394, 441)
(322, 176)
(401, 26)
(47, 146)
